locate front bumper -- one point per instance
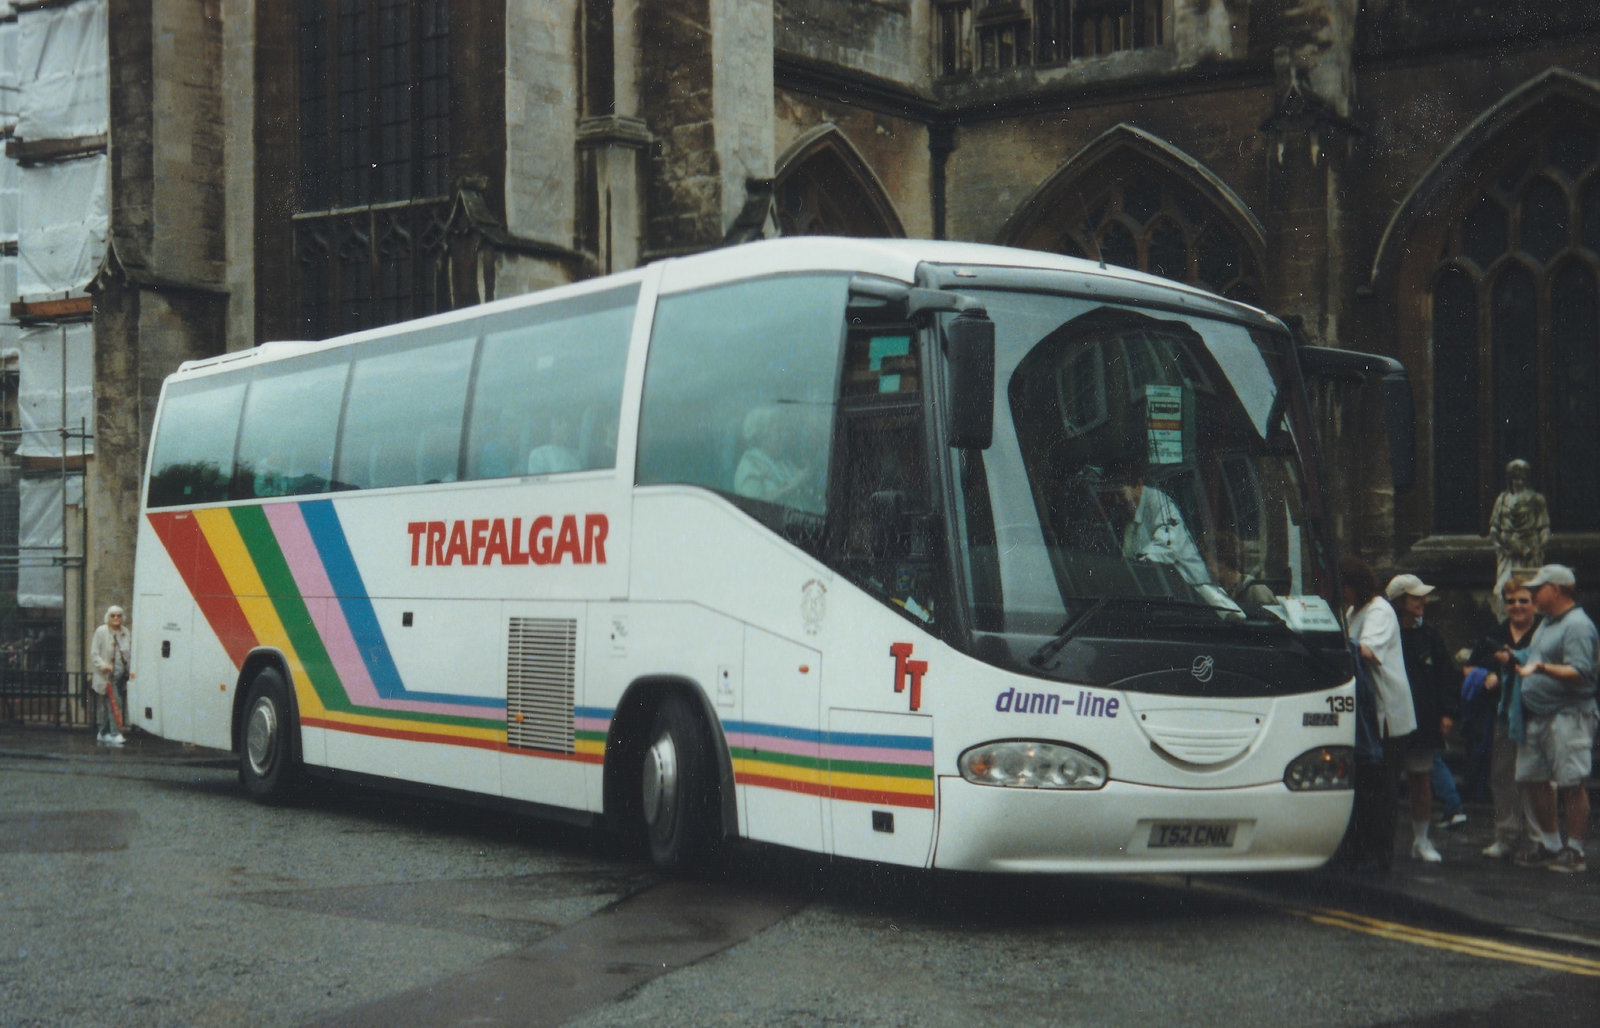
(1108, 830)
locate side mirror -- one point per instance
(969, 354)
(1394, 387)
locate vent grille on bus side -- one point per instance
(541, 666)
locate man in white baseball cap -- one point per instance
(1558, 699)
(1436, 697)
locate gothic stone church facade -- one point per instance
(1418, 178)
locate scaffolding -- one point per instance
(54, 222)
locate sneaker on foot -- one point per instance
(1423, 850)
(1498, 850)
(1537, 855)
(1455, 820)
(1569, 861)
(115, 739)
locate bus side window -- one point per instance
(402, 422)
(193, 461)
(291, 414)
(739, 395)
(548, 394)
(881, 539)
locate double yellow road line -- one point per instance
(1468, 944)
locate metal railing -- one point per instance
(46, 697)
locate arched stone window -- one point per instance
(1515, 329)
(825, 187)
(1130, 200)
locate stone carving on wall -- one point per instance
(1519, 526)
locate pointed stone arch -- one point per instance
(1479, 144)
(1134, 199)
(1489, 274)
(824, 186)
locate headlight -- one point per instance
(1327, 767)
(1021, 764)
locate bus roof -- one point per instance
(897, 259)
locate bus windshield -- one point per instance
(1146, 470)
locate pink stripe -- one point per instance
(591, 724)
(876, 755)
(305, 564)
(775, 744)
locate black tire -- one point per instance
(269, 761)
(679, 809)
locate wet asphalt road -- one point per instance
(153, 894)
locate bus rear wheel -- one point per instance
(677, 790)
(268, 765)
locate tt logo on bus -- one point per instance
(906, 668)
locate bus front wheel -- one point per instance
(268, 766)
(677, 790)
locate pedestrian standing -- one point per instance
(1435, 683)
(1558, 700)
(1493, 657)
(1375, 631)
(108, 662)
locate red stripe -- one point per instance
(191, 555)
(881, 798)
(448, 740)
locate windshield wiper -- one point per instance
(1069, 630)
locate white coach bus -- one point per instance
(932, 554)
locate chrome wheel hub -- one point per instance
(660, 782)
(261, 736)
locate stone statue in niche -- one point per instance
(1519, 526)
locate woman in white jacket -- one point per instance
(1375, 627)
(108, 662)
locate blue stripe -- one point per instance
(328, 536)
(897, 742)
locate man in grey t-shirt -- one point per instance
(1558, 700)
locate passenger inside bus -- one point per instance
(1151, 527)
(765, 471)
(560, 450)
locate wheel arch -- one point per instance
(624, 744)
(255, 662)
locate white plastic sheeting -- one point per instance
(61, 226)
(63, 70)
(39, 379)
(10, 98)
(39, 577)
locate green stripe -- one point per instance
(256, 532)
(284, 594)
(854, 767)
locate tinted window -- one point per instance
(402, 423)
(548, 395)
(193, 460)
(739, 390)
(291, 415)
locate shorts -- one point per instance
(1556, 747)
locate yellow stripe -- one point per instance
(228, 547)
(430, 727)
(883, 783)
(1467, 944)
(814, 776)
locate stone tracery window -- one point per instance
(1141, 218)
(826, 189)
(992, 35)
(374, 138)
(1515, 333)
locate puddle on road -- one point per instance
(67, 831)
